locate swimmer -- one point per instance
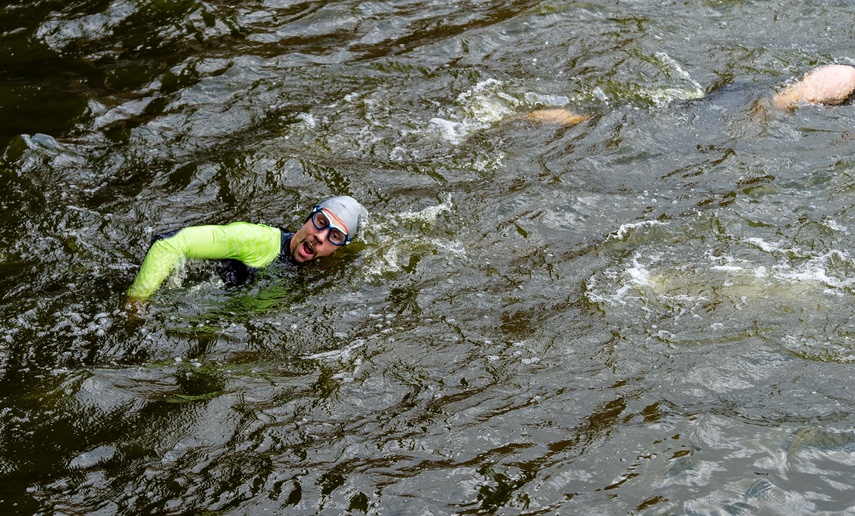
(243, 248)
(824, 85)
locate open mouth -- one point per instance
(307, 250)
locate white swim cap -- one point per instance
(348, 210)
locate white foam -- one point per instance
(625, 228)
(835, 226)
(727, 268)
(816, 270)
(308, 120)
(452, 132)
(394, 244)
(480, 106)
(766, 246)
(343, 353)
(618, 297)
(639, 274)
(429, 214)
(454, 247)
(670, 94)
(485, 102)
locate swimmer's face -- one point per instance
(309, 242)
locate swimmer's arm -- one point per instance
(254, 244)
(829, 85)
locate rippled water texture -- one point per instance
(646, 312)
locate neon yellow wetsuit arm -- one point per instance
(256, 245)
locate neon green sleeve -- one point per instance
(255, 245)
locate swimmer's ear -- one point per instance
(556, 116)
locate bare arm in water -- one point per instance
(828, 85)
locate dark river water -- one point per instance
(647, 312)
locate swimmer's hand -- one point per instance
(134, 307)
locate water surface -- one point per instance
(648, 312)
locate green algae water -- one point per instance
(648, 312)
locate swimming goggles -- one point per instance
(336, 236)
